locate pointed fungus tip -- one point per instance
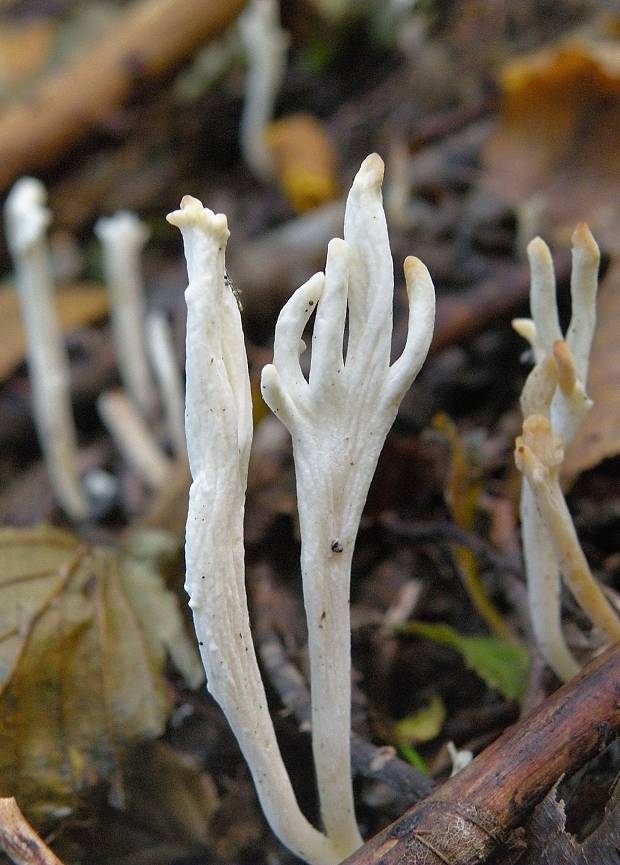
(337, 247)
(268, 376)
(583, 239)
(370, 174)
(525, 327)
(189, 201)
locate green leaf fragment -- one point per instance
(423, 725)
(414, 758)
(501, 665)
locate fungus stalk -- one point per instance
(219, 434)
(26, 220)
(122, 238)
(338, 420)
(266, 45)
(167, 374)
(554, 403)
(133, 438)
(539, 455)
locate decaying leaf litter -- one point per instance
(444, 98)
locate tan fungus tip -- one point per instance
(583, 239)
(565, 372)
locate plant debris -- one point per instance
(85, 634)
(496, 123)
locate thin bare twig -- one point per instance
(19, 840)
(423, 531)
(473, 813)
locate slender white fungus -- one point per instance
(123, 237)
(26, 222)
(266, 45)
(338, 421)
(168, 377)
(219, 435)
(554, 403)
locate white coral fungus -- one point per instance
(554, 403)
(338, 420)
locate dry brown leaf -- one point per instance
(174, 811)
(599, 437)
(558, 142)
(84, 633)
(229, 835)
(25, 47)
(167, 789)
(78, 306)
(559, 137)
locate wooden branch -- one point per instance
(19, 840)
(148, 40)
(472, 814)
(423, 531)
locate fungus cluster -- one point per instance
(338, 419)
(136, 337)
(554, 403)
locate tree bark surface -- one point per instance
(472, 814)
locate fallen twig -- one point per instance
(472, 815)
(19, 840)
(423, 531)
(147, 41)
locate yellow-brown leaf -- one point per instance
(559, 137)
(84, 633)
(304, 160)
(25, 47)
(78, 306)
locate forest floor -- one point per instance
(486, 144)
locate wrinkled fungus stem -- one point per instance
(338, 419)
(219, 435)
